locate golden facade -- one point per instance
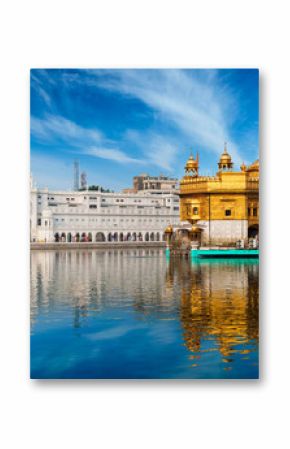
(225, 207)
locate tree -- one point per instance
(97, 188)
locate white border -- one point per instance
(144, 34)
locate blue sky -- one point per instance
(119, 123)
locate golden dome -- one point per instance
(191, 163)
(225, 159)
(169, 230)
(191, 166)
(243, 167)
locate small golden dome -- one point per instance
(191, 163)
(191, 166)
(169, 230)
(225, 161)
(243, 167)
(225, 157)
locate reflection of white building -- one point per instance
(98, 279)
(96, 216)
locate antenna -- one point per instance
(76, 175)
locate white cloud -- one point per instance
(55, 127)
(195, 107)
(113, 155)
(157, 150)
(37, 85)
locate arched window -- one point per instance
(100, 237)
(147, 237)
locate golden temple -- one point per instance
(222, 209)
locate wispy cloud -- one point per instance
(197, 107)
(39, 88)
(113, 155)
(159, 151)
(55, 127)
(83, 140)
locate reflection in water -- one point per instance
(134, 314)
(219, 302)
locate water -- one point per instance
(136, 314)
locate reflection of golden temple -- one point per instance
(209, 311)
(225, 207)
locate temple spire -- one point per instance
(225, 162)
(191, 166)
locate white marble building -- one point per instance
(76, 216)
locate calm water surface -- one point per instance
(135, 314)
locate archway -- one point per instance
(157, 237)
(69, 237)
(77, 237)
(56, 237)
(140, 237)
(84, 237)
(134, 237)
(253, 231)
(121, 237)
(90, 237)
(152, 237)
(129, 237)
(100, 237)
(147, 237)
(115, 236)
(110, 237)
(63, 237)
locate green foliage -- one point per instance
(97, 189)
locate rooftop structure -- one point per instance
(156, 183)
